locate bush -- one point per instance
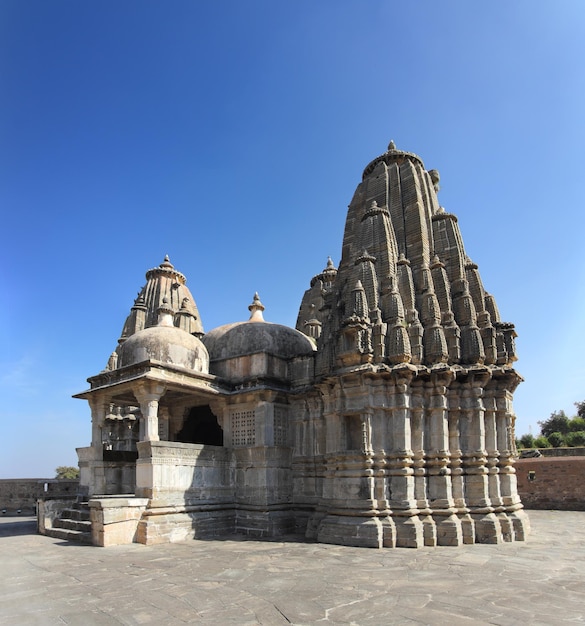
(541, 442)
(556, 439)
(575, 439)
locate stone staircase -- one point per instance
(73, 524)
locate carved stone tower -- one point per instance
(410, 422)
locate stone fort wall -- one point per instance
(553, 482)
(21, 494)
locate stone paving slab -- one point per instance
(239, 581)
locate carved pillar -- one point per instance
(379, 437)
(368, 454)
(457, 432)
(148, 473)
(493, 455)
(409, 529)
(487, 527)
(508, 484)
(99, 407)
(440, 491)
(417, 432)
(312, 472)
(93, 477)
(492, 450)
(148, 394)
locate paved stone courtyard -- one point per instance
(238, 581)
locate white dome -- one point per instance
(166, 344)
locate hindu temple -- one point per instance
(383, 419)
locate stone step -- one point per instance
(73, 524)
(76, 512)
(69, 535)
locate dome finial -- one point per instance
(392, 145)
(256, 309)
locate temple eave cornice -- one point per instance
(171, 375)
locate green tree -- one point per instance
(580, 408)
(576, 424)
(541, 442)
(66, 472)
(526, 441)
(558, 422)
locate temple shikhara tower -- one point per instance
(384, 419)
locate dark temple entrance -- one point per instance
(201, 427)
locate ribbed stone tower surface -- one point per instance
(414, 415)
(164, 284)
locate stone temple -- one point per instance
(383, 419)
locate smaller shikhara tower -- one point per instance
(407, 437)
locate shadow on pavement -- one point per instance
(12, 526)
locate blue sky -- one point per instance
(231, 135)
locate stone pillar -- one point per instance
(97, 476)
(440, 493)
(417, 431)
(310, 478)
(148, 394)
(508, 484)
(378, 438)
(492, 450)
(487, 527)
(457, 478)
(493, 455)
(99, 406)
(409, 528)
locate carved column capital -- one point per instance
(148, 390)
(148, 393)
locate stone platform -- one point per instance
(244, 582)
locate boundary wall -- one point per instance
(552, 482)
(18, 496)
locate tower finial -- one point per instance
(256, 309)
(167, 263)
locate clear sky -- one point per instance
(231, 136)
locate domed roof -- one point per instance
(256, 335)
(165, 343)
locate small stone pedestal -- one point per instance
(114, 521)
